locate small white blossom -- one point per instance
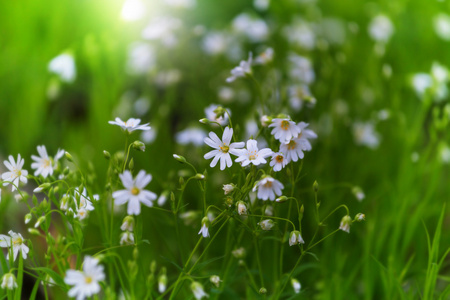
(296, 285)
(162, 283)
(265, 57)
(83, 204)
(130, 125)
(284, 130)
(239, 252)
(252, 154)
(197, 289)
(9, 281)
(359, 193)
(255, 29)
(381, 29)
(278, 161)
(365, 135)
(44, 164)
(212, 116)
(223, 148)
(241, 208)
(266, 224)
(441, 24)
(346, 222)
(205, 227)
(127, 238)
(64, 66)
(16, 241)
(268, 187)
(16, 173)
(134, 192)
(85, 283)
(228, 188)
(127, 224)
(244, 69)
(215, 280)
(295, 238)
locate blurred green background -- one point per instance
(405, 178)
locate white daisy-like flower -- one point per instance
(197, 289)
(16, 173)
(295, 147)
(295, 238)
(44, 164)
(211, 115)
(134, 192)
(16, 241)
(244, 69)
(205, 227)
(223, 148)
(284, 130)
(85, 283)
(252, 154)
(278, 161)
(130, 125)
(268, 188)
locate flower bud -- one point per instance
(220, 112)
(204, 121)
(180, 158)
(64, 203)
(263, 291)
(360, 217)
(281, 199)
(229, 201)
(199, 176)
(266, 121)
(215, 280)
(138, 145)
(34, 231)
(68, 156)
(127, 224)
(162, 280)
(127, 238)
(346, 222)
(131, 164)
(197, 289)
(296, 285)
(358, 192)
(239, 252)
(316, 186)
(39, 221)
(266, 224)
(9, 281)
(295, 238)
(42, 187)
(241, 208)
(153, 266)
(27, 218)
(228, 188)
(106, 154)
(204, 230)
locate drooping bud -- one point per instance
(241, 208)
(281, 199)
(68, 156)
(199, 176)
(180, 158)
(263, 291)
(360, 217)
(39, 222)
(27, 218)
(266, 224)
(295, 238)
(228, 188)
(215, 280)
(162, 280)
(9, 281)
(138, 145)
(346, 222)
(106, 154)
(127, 223)
(296, 285)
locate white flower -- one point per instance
(83, 204)
(222, 148)
(266, 224)
(244, 69)
(295, 147)
(301, 33)
(197, 289)
(162, 283)
(284, 130)
(15, 173)
(205, 227)
(296, 285)
(43, 164)
(134, 193)
(365, 135)
(127, 238)
(295, 238)
(301, 69)
(265, 57)
(85, 282)
(255, 29)
(215, 279)
(268, 187)
(64, 66)
(346, 222)
(127, 224)
(278, 161)
(241, 208)
(381, 29)
(360, 217)
(9, 281)
(191, 135)
(211, 115)
(441, 24)
(359, 193)
(228, 188)
(252, 154)
(15, 240)
(130, 125)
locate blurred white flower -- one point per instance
(381, 29)
(9, 281)
(299, 94)
(16, 173)
(295, 238)
(197, 289)
(265, 57)
(346, 222)
(365, 135)
(127, 238)
(141, 58)
(216, 42)
(268, 188)
(16, 241)
(132, 10)
(211, 115)
(284, 129)
(168, 77)
(226, 94)
(261, 4)
(441, 24)
(244, 69)
(359, 193)
(85, 283)
(214, 279)
(130, 125)
(296, 285)
(134, 192)
(181, 3)
(252, 154)
(301, 34)
(148, 136)
(191, 135)
(44, 164)
(278, 161)
(63, 65)
(222, 148)
(301, 69)
(421, 82)
(163, 28)
(255, 29)
(266, 224)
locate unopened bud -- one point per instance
(199, 176)
(68, 156)
(204, 121)
(360, 217)
(106, 154)
(180, 158)
(241, 208)
(229, 201)
(39, 222)
(263, 291)
(138, 145)
(346, 222)
(228, 188)
(131, 164)
(27, 218)
(266, 121)
(33, 231)
(153, 266)
(127, 223)
(215, 280)
(281, 199)
(316, 186)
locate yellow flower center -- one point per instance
(291, 145)
(17, 242)
(46, 163)
(88, 279)
(135, 191)
(285, 125)
(268, 184)
(224, 148)
(279, 158)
